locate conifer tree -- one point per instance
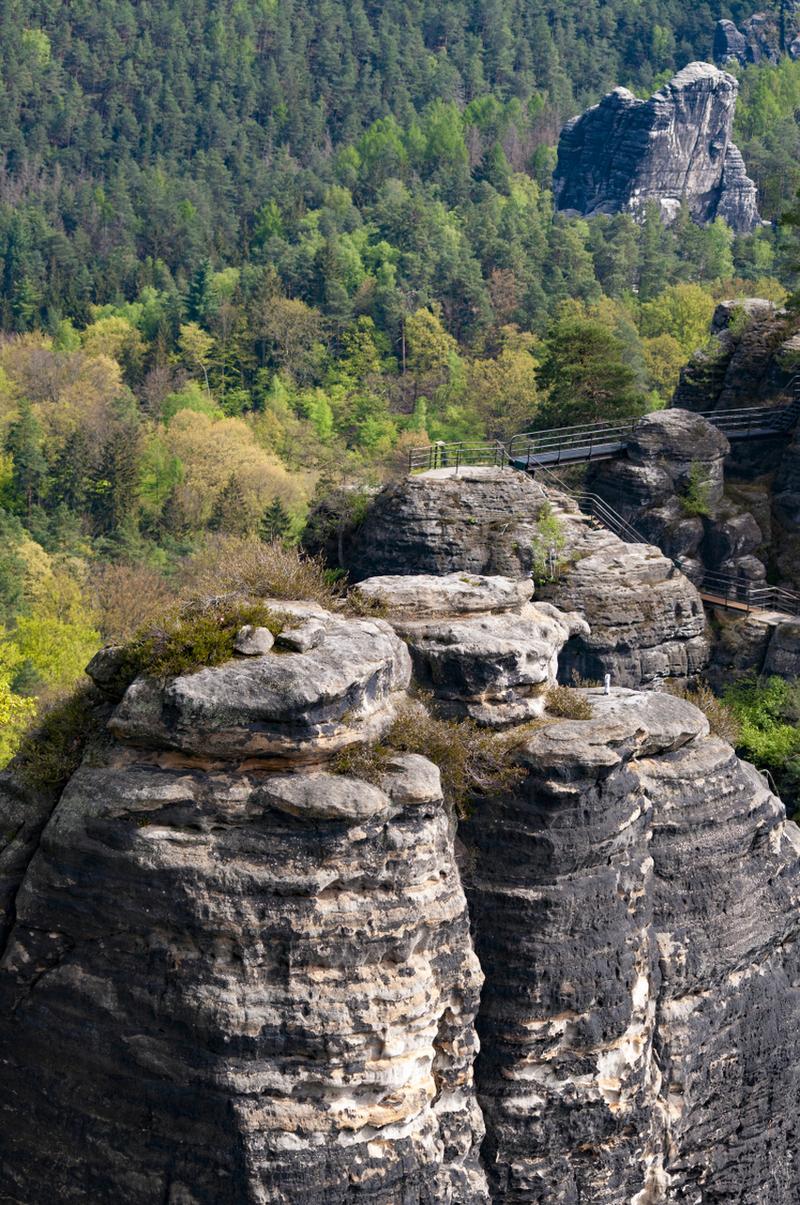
(275, 522)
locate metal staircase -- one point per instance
(715, 589)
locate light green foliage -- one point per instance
(16, 712)
(768, 712)
(697, 497)
(547, 546)
(682, 311)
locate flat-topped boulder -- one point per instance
(285, 704)
(673, 149)
(424, 594)
(476, 643)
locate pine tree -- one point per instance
(29, 467)
(199, 300)
(275, 522)
(230, 515)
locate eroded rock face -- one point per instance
(673, 468)
(298, 707)
(488, 654)
(479, 520)
(758, 40)
(237, 980)
(753, 361)
(635, 911)
(645, 618)
(675, 147)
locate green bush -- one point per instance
(200, 635)
(52, 749)
(547, 546)
(768, 711)
(472, 761)
(697, 499)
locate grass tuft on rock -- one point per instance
(568, 704)
(53, 748)
(472, 761)
(721, 718)
(201, 634)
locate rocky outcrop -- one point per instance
(645, 619)
(764, 643)
(753, 360)
(230, 975)
(749, 360)
(758, 40)
(477, 643)
(232, 970)
(634, 904)
(671, 485)
(672, 149)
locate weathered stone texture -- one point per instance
(673, 148)
(224, 983)
(674, 461)
(488, 654)
(645, 618)
(635, 910)
(758, 40)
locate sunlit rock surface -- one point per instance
(672, 149)
(227, 981)
(634, 905)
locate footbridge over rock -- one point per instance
(537, 453)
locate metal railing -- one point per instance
(593, 441)
(717, 589)
(570, 444)
(454, 455)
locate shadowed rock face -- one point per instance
(476, 642)
(234, 979)
(635, 911)
(758, 40)
(645, 618)
(674, 147)
(224, 983)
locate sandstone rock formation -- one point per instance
(635, 910)
(243, 979)
(231, 975)
(645, 619)
(673, 148)
(758, 40)
(477, 644)
(671, 485)
(753, 360)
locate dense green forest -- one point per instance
(252, 251)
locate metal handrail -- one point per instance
(730, 590)
(453, 455)
(595, 437)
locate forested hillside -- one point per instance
(253, 251)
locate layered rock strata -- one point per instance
(670, 483)
(753, 360)
(758, 40)
(672, 149)
(477, 643)
(634, 905)
(645, 618)
(230, 975)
